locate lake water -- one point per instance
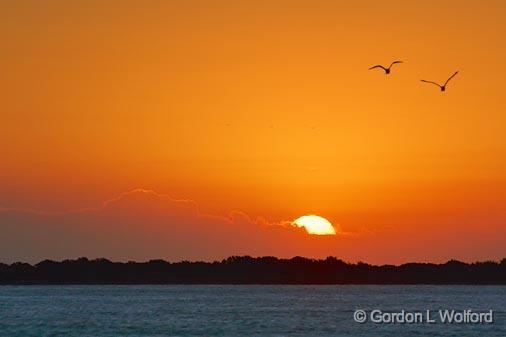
(242, 310)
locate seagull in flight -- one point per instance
(442, 87)
(387, 70)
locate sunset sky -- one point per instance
(202, 129)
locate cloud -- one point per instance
(143, 224)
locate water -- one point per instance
(181, 310)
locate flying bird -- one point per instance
(387, 70)
(442, 87)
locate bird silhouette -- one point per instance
(387, 70)
(442, 87)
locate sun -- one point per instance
(315, 224)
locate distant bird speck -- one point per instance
(386, 69)
(442, 87)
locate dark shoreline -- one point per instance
(253, 271)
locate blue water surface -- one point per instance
(240, 310)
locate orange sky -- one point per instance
(266, 107)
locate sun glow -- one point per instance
(315, 224)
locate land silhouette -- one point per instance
(250, 270)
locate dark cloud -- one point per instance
(143, 224)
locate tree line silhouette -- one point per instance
(250, 270)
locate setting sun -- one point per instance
(315, 224)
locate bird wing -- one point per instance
(448, 80)
(378, 66)
(395, 62)
(431, 83)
